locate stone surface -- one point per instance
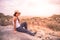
(9, 35)
(6, 33)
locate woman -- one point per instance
(20, 27)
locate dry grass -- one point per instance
(50, 22)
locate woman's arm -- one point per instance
(15, 24)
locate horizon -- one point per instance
(43, 8)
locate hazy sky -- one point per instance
(30, 7)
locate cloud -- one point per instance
(29, 7)
(57, 2)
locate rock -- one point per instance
(10, 35)
(6, 33)
(46, 36)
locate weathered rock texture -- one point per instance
(6, 33)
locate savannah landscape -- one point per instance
(47, 28)
(42, 16)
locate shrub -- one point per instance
(54, 27)
(56, 18)
(4, 19)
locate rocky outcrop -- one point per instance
(47, 36)
(9, 35)
(6, 33)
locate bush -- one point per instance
(54, 27)
(56, 18)
(4, 19)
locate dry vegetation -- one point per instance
(52, 22)
(47, 28)
(5, 20)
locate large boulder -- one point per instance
(7, 33)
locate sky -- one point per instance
(43, 8)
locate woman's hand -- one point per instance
(15, 25)
(15, 31)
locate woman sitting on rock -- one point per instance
(20, 27)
